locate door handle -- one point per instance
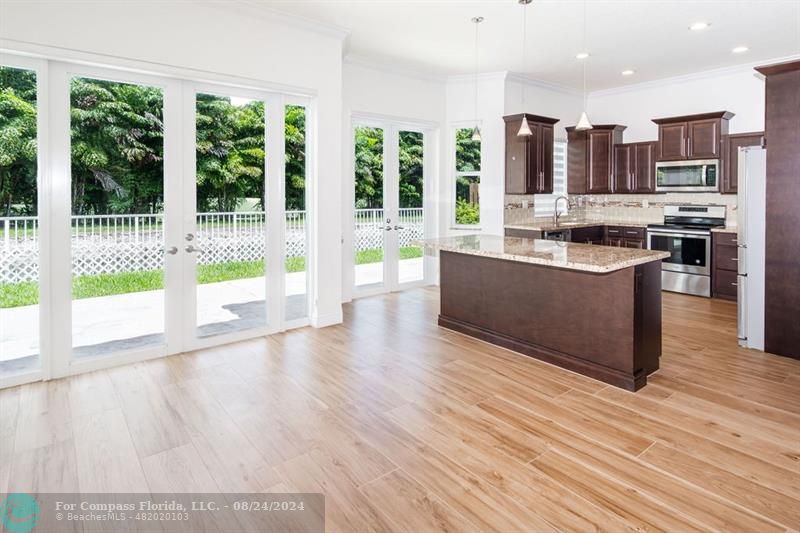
(191, 249)
(388, 228)
(398, 227)
(172, 250)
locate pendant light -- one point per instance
(476, 133)
(583, 121)
(524, 128)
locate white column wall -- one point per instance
(739, 90)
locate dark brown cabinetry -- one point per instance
(635, 167)
(590, 235)
(529, 160)
(782, 280)
(730, 158)
(724, 261)
(625, 237)
(590, 158)
(692, 136)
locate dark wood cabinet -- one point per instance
(590, 235)
(635, 167)
(625, 237)
(590, 158)
(782, 279)
(724, 262)
(692, 136)
(644, 167)
(529, 160)
(672, 141)
(624, 160)
(729, 182)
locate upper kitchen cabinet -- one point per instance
(529, 160)
(730, 158)
(634, 167)
(590, 158)
(692, 136)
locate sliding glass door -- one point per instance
(389, 207)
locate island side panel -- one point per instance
(578, 320)
(647, 329)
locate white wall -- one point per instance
(738, 90)
(232, 41)
(565, 105)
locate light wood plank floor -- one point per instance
(408, 427)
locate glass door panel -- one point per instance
(19, 223)
(117, 223)
(370, 222)
(296, 219)
(229, 243)
(411, 215)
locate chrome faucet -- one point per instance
(556, 215)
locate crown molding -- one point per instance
(389, 67)
(695, 76)
(482, 76)
(529, 80)
(260, 9)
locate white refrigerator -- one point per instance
(751, 237)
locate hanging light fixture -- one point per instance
(476, 133)
(524, 128)
(583, 121)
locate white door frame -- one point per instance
(391, 127)
(60, 228)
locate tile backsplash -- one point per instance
(634, 207)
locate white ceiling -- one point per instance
(649, 36)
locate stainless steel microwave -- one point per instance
(699, 175)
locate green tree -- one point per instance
(17, 142)
(230, 153)
(411, 169)
(117, 147)
(369, 168)
(295, 135)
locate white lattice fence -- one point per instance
(133, 243)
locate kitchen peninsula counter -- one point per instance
(595, 310)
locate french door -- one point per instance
(153, 216)
(390, 163)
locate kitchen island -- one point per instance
(595, 310)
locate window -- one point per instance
(543, 203)
(468, 179)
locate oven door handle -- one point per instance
(681, 233)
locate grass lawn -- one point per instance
(27, 293)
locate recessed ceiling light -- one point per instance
(740, 50)
(582, 55)
(697, 26)
(628, 72)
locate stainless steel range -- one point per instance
(686, 235)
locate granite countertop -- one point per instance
(725, 229)
(566, 255)
(547, 225)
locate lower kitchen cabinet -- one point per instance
(724, 265)
(625, 237)
(590, 235)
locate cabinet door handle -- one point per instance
(734, 284)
